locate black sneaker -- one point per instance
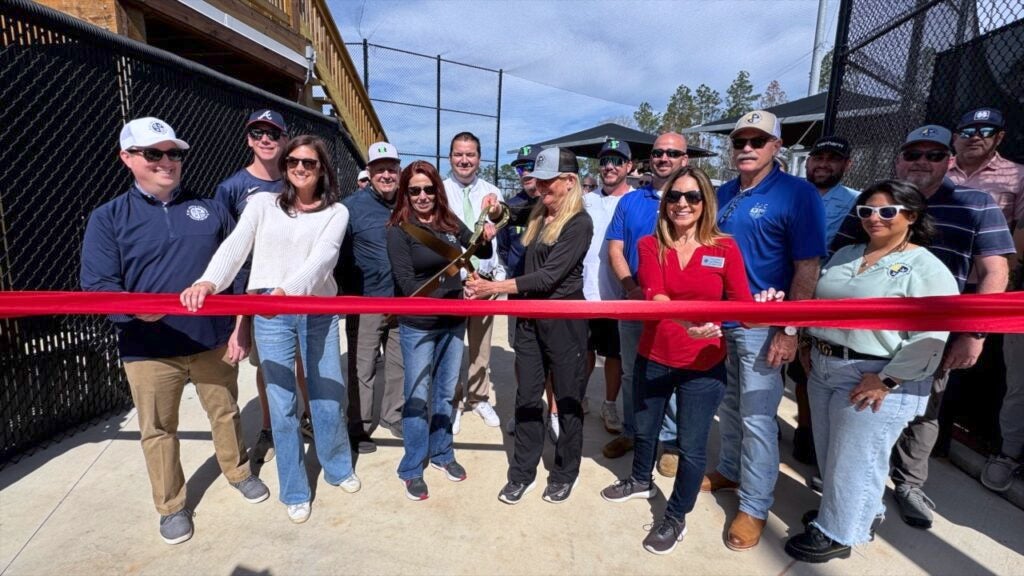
(814, 547)
(362, 443)
(628, 489)
(454, 470)
(556, 493)
(416, 489)
(664, 535)
(812, 515)
(513, 492)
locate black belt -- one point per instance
(834, 350)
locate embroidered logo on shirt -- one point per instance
(198, 213)
(896, 270)
(758, 210)
(713, 261)
(451, 238)
(251, 190)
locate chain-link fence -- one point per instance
(67, 88)
(918, 62)
(432, 99)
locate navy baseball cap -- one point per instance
(614, 146)
(981, 117)
(834, 144)
(266, 116)
(554, 161)
(527, 153)
(929, 133)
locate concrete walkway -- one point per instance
(82, 506)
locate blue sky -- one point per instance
(568, 64)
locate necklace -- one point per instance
(865, 263)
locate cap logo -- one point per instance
(754, 118)
(540, 161)
(982, 115)
(928, 132)
(524, 151)
(382, 149)
(265, 116)
(613, 144)
(158, 127)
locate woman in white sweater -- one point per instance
(294, 237)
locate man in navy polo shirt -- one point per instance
(635, 217)
(778, 220)
(973, 240)
(157, 238)
(367, 272)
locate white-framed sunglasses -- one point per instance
(884, 212)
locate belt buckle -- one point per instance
(823, 348)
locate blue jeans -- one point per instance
(629, 341)
(433, 359)
(749, 452)
(319, 343)
(853, 447)
(699, 393)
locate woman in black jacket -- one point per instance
(558, 232)
(431, 345)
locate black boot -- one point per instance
(814, 547)
(803, 446)
(811, 515)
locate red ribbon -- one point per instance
(966, 313)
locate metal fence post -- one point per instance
(366, 65)
(438, 152)
(840, 52)
(497, 131)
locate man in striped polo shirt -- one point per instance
(973, 238)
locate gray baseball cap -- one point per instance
(554, 161)
(929, 133)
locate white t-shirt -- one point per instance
(599, 281)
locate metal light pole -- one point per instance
(819, 53)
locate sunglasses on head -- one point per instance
(258, 133)
(615, 161)
(756, 142)
(884, 212)
(414, 191)
(972, 131)
(671, 153)
(931, 155)
(155, 155)
(307, 163)
(524, 167)
(691, 196)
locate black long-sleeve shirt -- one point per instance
(413, 263)
(554, 272)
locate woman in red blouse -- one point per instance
(687, 258)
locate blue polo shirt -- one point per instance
(135, 243)
(838, 202)
(364, 268)
(635, 217)
(234, 192)
(510, 248)
(779, 220)
(968, 221)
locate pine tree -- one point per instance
(826, 72)
(681, 112)
(708, 103)
(773, 96)
(740, 97)
(647, 120)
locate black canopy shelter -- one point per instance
(587, 143)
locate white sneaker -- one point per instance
(553, 428)
(486, 412)
(610, 417)
(298, 513)
(457, 421)
(351, 484)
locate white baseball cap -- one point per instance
(761, 120)
(363, 175)
(381, 151)
(144, 132)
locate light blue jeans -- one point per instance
(629, 340)
(749, 452)
(853, 447)
(318, 340)
(433, 360)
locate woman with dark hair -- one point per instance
(687, 258)
(888, 371)
(431, 345)
(294, 237)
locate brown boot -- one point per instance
(617, 448)
(744, 532)
(668, 464)
(715, 482)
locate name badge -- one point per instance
(713, 261)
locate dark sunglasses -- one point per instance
(364, 179)
(659, 152)
(931, 155)
(756, 142)
(884, 212)
(307, 163)
(691, 196)
(983, 131)
(589, 186)
(524, 167)
(415, 191)
(616, 160)
(258, 133)
(154, 155)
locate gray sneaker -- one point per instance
(628, 489)
(253, 489)
(998, 473)
(915, 506)
(176, 528)
(664, 535)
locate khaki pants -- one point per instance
(478, 335)
(156, 386)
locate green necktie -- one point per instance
(469, 218)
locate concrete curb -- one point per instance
(972, 463)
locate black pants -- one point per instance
(558, 347)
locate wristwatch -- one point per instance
(890, 383)
(789, 330)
